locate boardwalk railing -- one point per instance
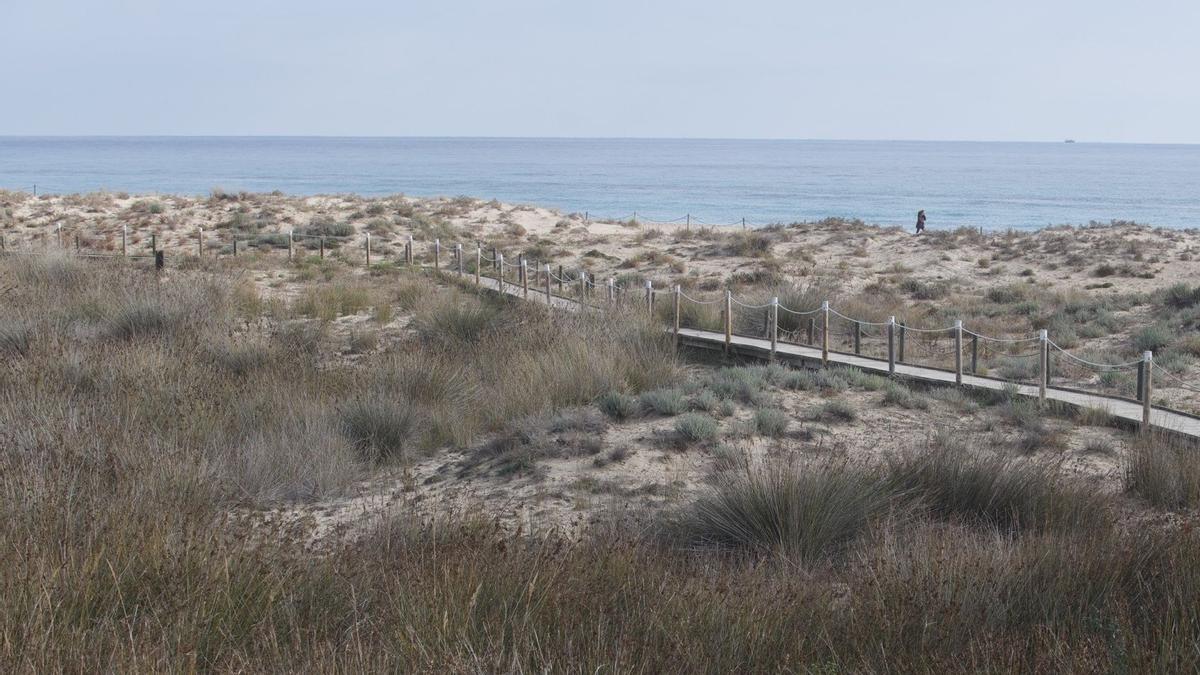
(948, 353)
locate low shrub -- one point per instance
(805, 511)
(618, 406)
(667, 401)
(1164, 473)
(771, 422)
(378, 428)
(696, 428)
(834, 411)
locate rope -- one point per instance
(1005, 340)
(1178, 379)
(925, 330)
(1110, 366)
(792, 311)
(859, 321)
(689, 298)
(742, 304)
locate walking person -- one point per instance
(920, 221)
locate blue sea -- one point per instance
(993, 185)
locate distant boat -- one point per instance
(1069, 140)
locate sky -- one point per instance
(1013, 70)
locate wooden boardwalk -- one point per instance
(1123, 409)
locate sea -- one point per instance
(707, 182)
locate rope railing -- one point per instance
(933, 342)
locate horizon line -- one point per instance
(1066, 141)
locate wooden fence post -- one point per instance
(408, 251)
(774, 325)
(458, 255)
(728, 321)
(649, 297)
(478, 262)
(1043, 356)
(1147, 389)
(124, 240)
(975, 354)
(825, 333)
(549, 300)
(678, 298)
(76, 243)
(500, 272)
(582, 285)
(291, 244)
(560, 280)
(322, 241)
(857, 337)
(437, 255)
(200, 242)
(58, 229)
(496, 259)
(524, 280)
(235, 245)
(154, 243)
(900, 346)
(891, 342)
(958, 354)
(368, 250)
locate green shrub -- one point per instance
(618, 406)
(1152, 338)
(807, 511)
(378, 428)
(835, 410)
(1181, 296)
(996, 491)
(771, 422)
(896, 394)
(696, 428)
(667, 401)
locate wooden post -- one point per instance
(649, 297)
(1043, 353)
(743, 223)
(368, 250)
(582, 285)
(496, 260)
(524, 280)
(124, 240)
(437, 255)
(1141, 377)
(500, 272)
(291, 244)
(774, 325)
(4, 246)
(235, 245)
(200, 242)
(689, 221)
(76, 243)
(900, 347)
(560, 280)
(857, 337)
(521, 267)
(612, 289)
(891, 338)
(159, 260)
(322, 240)
(408, 251)
(1147, 389)
(478, 262)
(728, 321)
(974, 354)
(549, 299)
(154, 243)
(958, 354)
(825, 333)
(58, 229)
(458, 256)
(678, 298)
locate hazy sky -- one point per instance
(1101, 70)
